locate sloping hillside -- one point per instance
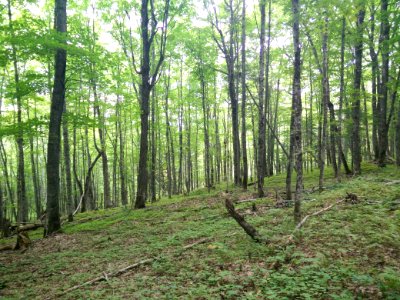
(189, 247)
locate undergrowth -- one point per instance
(352, 251)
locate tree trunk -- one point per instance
(374, 79)
(243, 87)
(35, 179)
(56, 111)
(205, 130)
(356, 151)
(147, 82)
(366, 125)
(153, 149)
(168, 138)
(261, 109)
(383, 90)
(296, 112)
(189, 178)
(324, 106)
(398, 136)
(342, 158)
(180, 122)
(22, 202)
(10, 193)
(67, 163)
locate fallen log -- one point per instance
(249, 229)
(106, 276)
(23, 243)
(27, 227)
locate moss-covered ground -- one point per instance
(352, 251)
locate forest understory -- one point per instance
(189, 247)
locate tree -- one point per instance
(295, 130)
(226, 45)
(383, 89)
(261, 162)
(56, 111)
(356, 150)
(21, 185)
(243, 87)
(147, 81)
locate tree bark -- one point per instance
(374, 79)
(296, 112)
(398, 135)
(243, 87)
(67, 163)
(147, 82)
(261, 109)
(56, 111)
(22, 202)
(205, 130)
(383, 90)
(356, 150)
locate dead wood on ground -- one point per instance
(249, 229)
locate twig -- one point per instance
(106, 276)
(317, 213)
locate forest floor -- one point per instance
(350, 251)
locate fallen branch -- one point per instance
(106, 276)
(249, 229)
(28, 227)
(393, 182)
(247, 200)
(299, 225)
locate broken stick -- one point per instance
(249, 229)
(317, 213)
(106, 276)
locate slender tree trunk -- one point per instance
(356, 150)
(243, 87)
(2, 210)
(10, 192)
(180, 122)
(189, 178)
(153, 148)
(67, 163)
(233, 99)
(261, 109)
(324, 106)
(168, 137)
(22, 201)
(398, 135)
(267, 94)
(104, 156)
(342, 157)
(35, 179)
(147, 82)
(366, 125)
(217, 144)
(56, 111)
(383, 90)
(374, 79)
(205, 129)
(296, 112)
(122, 163)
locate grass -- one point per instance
(350, 252)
